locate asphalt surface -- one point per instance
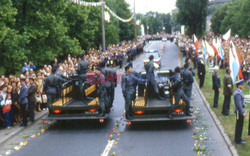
(90, 138)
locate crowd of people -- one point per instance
(242, 46)
(24, 95)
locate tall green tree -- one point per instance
(12, 43)
(218, 17)
(45, 23)
(156, 22)
(192, 14)
(233, 15)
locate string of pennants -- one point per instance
(96, 4)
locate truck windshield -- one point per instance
(156, 55)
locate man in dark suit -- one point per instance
(23, 100)
(31, 99)
(240, 111)
(216, 86)
(201, 70)
(228, 91)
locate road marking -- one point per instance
(108, 148)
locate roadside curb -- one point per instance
(217, 122)
(20, 129)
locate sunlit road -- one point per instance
(90, 138)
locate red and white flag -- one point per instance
(227, 36)
(196, 43)
(214, 46)
(210, 50)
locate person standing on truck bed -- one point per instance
(82, 68)
(101, 90)
(128, 88)
(149, 67)
(111, 83)
(51, 84)
(179, 93)
(188, 81)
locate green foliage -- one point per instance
(213, 8)
(156, 21)
(176, 26)
(44, 29)
(234, 15)
(192, 14)
(12, 43)
(217, 18)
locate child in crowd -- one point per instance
(6, 111)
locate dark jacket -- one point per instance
(23, 96)
(149, 67)
(201, 68)
(187, 78)
(227, 82)
(51, 83)
(177, 84)
(32, 93)
(128, 82)
(216, 81)
(82, 67)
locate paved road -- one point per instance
(89, 138)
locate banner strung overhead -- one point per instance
(95, 4)
(83, 3)
(121, 19)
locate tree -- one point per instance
(12, 44)
(217, 18)
(156, 22)
(192, 14)
(234, 15)
(176, 26)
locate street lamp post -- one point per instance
(135, 21)
(103, 29)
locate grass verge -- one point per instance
(228, 122)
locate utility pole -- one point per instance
(103, 29)
(135, 21)
(147, 23)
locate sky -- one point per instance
(143, 6)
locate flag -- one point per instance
(210, 50)
(221, 52)
(227, 36)
(196, 43)
(204, 50)
(237, 61)
(233, 66)
(214, 46)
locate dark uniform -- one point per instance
(239, 110)
(201, 72)
(216, 86)
(111, 83)
(51, 84)
(188, 82)
(179, 93)
(101, 92)
(149, 67)
(228, 91)
(128, 90)
(82, 70)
